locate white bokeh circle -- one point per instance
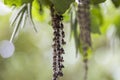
(6, 49)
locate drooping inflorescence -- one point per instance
(58, 44)
(84, 22)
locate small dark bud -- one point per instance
(62, 66)
(60, 74)
(61, 26)
(54, 63)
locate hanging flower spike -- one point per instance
(85, 38)
(58, 43)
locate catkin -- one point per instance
(84, 23)
(58, 40)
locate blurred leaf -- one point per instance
(41, 8)
(66, 17)
(45, 2)
(16, 2)
(17, 25)
(89, 51)
(29, 10)
(71, 24)
(37, 14)
(72, 19)
(22, 8)
(97, 1)
(116, 3)
(13, 2)
(19, 21)
(76, 35)
(61, 5)
(96, 19)
(74, 27)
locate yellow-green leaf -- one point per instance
(16, 2)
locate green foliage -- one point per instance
(74, 27)
(116, 3)
(96, 19)
(97, 1)
(20, 18)
(45, 2)
(61, 5)
(16, 2)
(76, 35)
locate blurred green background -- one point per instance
(32, 59)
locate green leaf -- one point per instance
(45, 2)
(116, 3)
(97, 1)
(17, 25)
(61, 5)
(96, 19)
(29, 8)
(20, 17)
(76, 35)
(72, 19)
(74, 27)
(13, 2)
(16, 2)
(71, 24)
(18, 13)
